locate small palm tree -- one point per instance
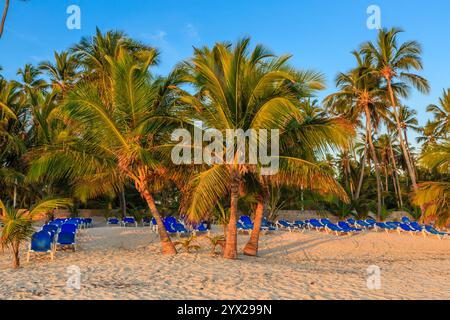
(217, 240)
(188, 244)
(435, 196)
(441, 114)
(18, 224)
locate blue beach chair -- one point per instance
(66, 238)
(42, 242)
(113, 221)
(129, 221)
(346, 227)
(433, 231)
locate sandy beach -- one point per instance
(119, 263)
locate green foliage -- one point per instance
(188, 244)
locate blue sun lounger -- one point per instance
(416, 226)
(351, 221)
(129, 221)
(69, 227)
(316, 224)
(334, 228)
(345, 226)
(433, 231)
(66, 239)
(406, 220)
(42, 242)
(406, 228)
(113, 222)
(384, 226)
(283, 224)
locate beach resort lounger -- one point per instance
(406, 228)
(154, 225)
(334, 228)
(283, 224)
(406, 220)
(42, 242)
(316, 224)
(433, 231)
(69, 227)
(129, 221)
(243, 228)
(201, 228)
(50, 228)
(384, 226)
(416, 226)
(146, 221)
(66, 239)
(363, 224)
(113, 222)
(345, 226)
(351, 221)
(88, 222)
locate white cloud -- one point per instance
(192, 31)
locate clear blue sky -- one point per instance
(319, 33)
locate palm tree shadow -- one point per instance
(301, 245)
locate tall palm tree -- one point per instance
(441, 115)
(119, 134)
(392, 63)
(359, 95)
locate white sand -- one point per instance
(118, 263)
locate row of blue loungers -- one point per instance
(352, 226)
(57, 233)
(172, 225)
(245, 224)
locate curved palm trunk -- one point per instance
(361, 177)
(230, 251)
(409, 165)
(375, 159)
(251, 249)
(167, 244)
(5, 13)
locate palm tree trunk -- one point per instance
(409, 165)
(395, 175)
(375, 159)
(123, 203)
(251, 249)
(15, 194)
(167, 244)
(5, 13)
(230, 251)
(361, 176)
(16, 256)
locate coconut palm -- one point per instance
(116, 136)
(18, 224)
(434, 196)
(360, 95)
(441, 115)
(392, 63)
(237, 89)
(63, 72)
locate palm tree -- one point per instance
(18, 224)
(63, 72)
(241, 90)
(441, 114)
(393, 62)
(434, 196)
(360, 95)
(118, 136)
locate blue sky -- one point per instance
(319, 33)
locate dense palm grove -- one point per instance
(94, 125)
